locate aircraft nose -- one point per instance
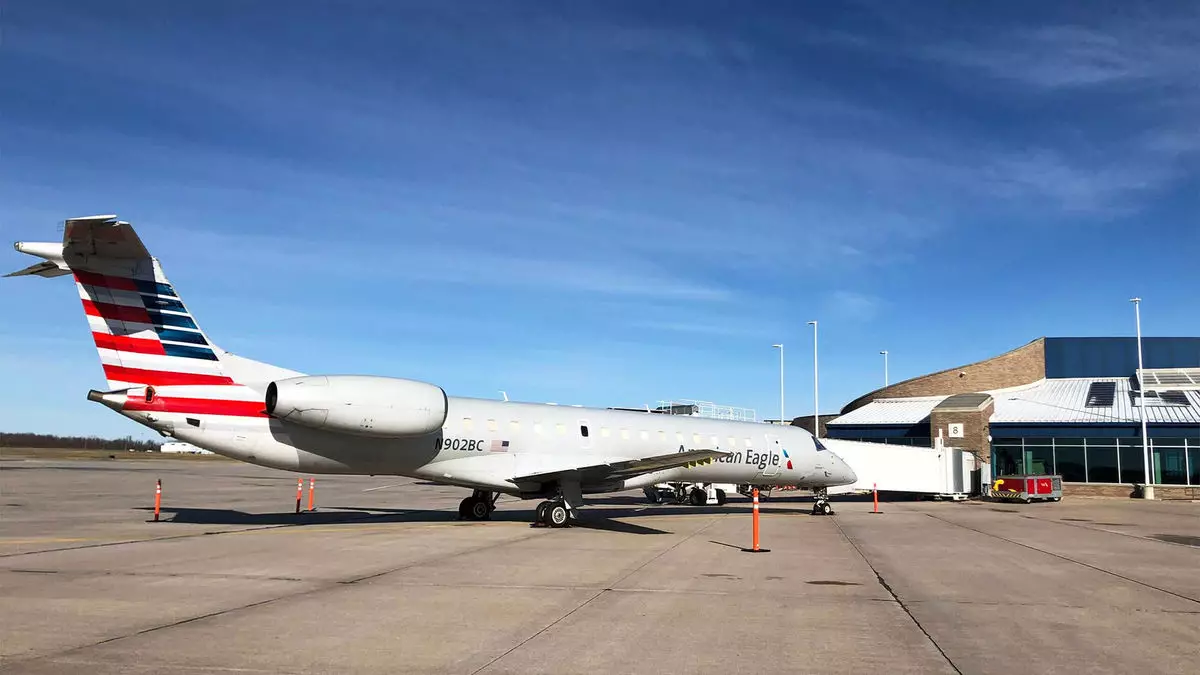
(843, 473)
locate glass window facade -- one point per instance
(1174, 461)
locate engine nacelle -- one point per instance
(363, 405)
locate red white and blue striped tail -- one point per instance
(144, 333)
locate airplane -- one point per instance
(164, 372)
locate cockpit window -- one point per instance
(817, 442)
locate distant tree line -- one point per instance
(9, 440)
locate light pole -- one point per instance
(816, 388)
(781, 415)
(1148, 490)
(885, 373)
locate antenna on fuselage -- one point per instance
(504, 394)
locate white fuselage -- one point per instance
(484, 444)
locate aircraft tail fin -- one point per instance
(143, 332)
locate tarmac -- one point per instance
(382, 578)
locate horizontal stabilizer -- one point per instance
(43, 269)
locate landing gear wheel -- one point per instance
(720, 498)
(479, 509)
(826, 509)
(464, 508)
(698, 497)
(556, 515)
(681, 496)
(652, 496)
(541, 512)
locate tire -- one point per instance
(480, 509)
(541, 512)
(557, 516)
(464, 509)
(652, 496)
(720, 498)
(698, 497)
(827, 509)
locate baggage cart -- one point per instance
(1027, 488)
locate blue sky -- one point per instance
(604, 203)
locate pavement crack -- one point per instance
(887, 587)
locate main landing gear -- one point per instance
(478, 506)
(822, 507)
(562, 508)
(553, 513)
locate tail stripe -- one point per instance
(173, 320)
(187, 352)
(160, 378)
(199, 406)
(148, 287)
(180, 336)
(114, 312)
(123, 343)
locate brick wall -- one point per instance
(1023, 365)
(1166, 492)
(806, 422)
(1093, 490)
(975, 429)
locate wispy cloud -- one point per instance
(1122, 54)
(852, 305)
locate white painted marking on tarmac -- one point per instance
(384, 487)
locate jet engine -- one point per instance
(362, 405)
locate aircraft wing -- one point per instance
(595, 473)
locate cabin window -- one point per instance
(537, 428)
(747, 442)
(604, 432)
(492, 425)
(662, 436)
(468, 425)
(645, 435)
(696, 440)
(732, 442)
(583, 430)
(679, 438)
(561, 429)
(624, 434)
(514, 426)
(715, 442)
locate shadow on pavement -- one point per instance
(594, 520)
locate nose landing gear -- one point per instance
(478, 506)
(822, 507)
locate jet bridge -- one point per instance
(940, 472)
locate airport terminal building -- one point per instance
(1070, 406)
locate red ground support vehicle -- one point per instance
(1028, 488)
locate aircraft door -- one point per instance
(775, 452)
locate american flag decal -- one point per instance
(499, 446)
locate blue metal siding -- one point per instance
(1117, 356)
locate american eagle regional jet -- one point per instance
(165, 373)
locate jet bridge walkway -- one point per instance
(939, 472)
